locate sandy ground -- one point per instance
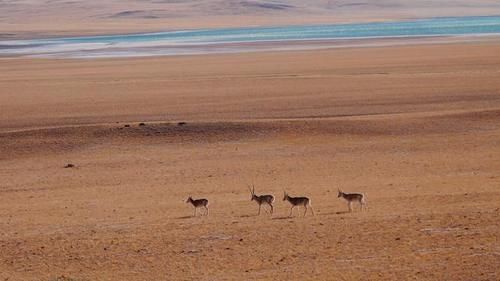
(40, 18)
(416, 128)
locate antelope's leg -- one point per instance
(206, 212)
(259, 209)
(291, 209)
(195, 211)
(272, 209)
(305, 210)
(312, 211)
(350, 206)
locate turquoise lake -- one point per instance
(240, 39)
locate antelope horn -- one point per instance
(251, 191)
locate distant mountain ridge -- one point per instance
(38, 17)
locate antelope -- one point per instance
(262, 199)
(298, 201)
(353, 197)
(198, 203)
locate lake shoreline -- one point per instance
(241, 40)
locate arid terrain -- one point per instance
(415, 128)
(42, 18)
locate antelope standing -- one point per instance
(353, 197)
(298, 201)
(262, 199)
(198, 203)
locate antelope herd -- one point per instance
(268, 199)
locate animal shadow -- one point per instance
(334, 213)
(281, 218)
(247, 216)
(184, 217)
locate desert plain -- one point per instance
(415, 128)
